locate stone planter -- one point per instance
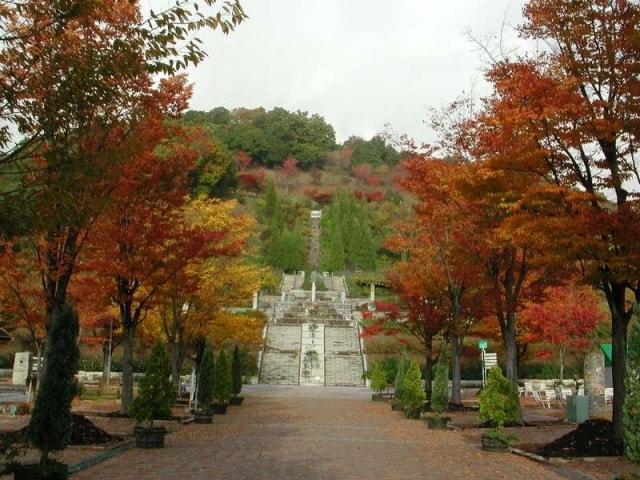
(51, 471)
(438, 423)
(149, 437)
(236, 401)
(219, 408)
(202, 418)
(492, 444)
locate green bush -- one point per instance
(156, 393)
(116, 365)
(6, 361)
(412, 391)
(471, 369)
(547, 371)
(499, 400)
(440, 394)
(50, 426)
(249, 363)
(206, 375)
(631, 416)
(222, 384)
(403, 365)
(378, 377)
(91, 364)
(236, 372)
(390, 368)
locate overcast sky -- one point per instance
(359, 63)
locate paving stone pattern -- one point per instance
(311, 433)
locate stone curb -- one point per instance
(573, 475)
(102, 456)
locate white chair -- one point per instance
(528, 389)
(538, 397)
(550, 395)
(581, 391)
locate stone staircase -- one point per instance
(343, 358)
(311, 343)
(312, 354)
(281, 355)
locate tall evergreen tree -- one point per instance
(236, 372)
(347, 240)
(631, 417)
(50, 425)
(222, 383)
(206, 376)
(156, 394)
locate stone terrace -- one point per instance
(314, 433)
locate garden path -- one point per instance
(311, 433)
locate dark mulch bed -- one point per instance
(593, 438)
(114, 414)
(490, 424)
(85, 432)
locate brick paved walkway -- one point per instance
(311, 433)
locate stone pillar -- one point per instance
(372, 292)
(594, 383)
(22, 364)
(255, 300)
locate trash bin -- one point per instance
(577, 408)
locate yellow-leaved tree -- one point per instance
(204, 301)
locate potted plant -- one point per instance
(204, 395)
(398, 393)
(222, 384)
(50, 425)
(413, 393)
(156, 395)
(236, 377)
(440, 394)
(378, 381)
(499, 406)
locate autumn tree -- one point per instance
(443, 233)
(568, 117)
(190, 309)
(142, 240)
(420, 312)
(564, 320)
(22, 303)
(74, 108)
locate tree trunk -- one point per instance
(175, 351)
(510, 342)
(616, 301)
(59, 264)
(619, 345)
(561, 365)
(106, 363)
(456, 379)
(127, 366)
(200, 344)
(428, 369)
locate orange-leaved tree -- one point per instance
(563, 320)
(568, 116)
